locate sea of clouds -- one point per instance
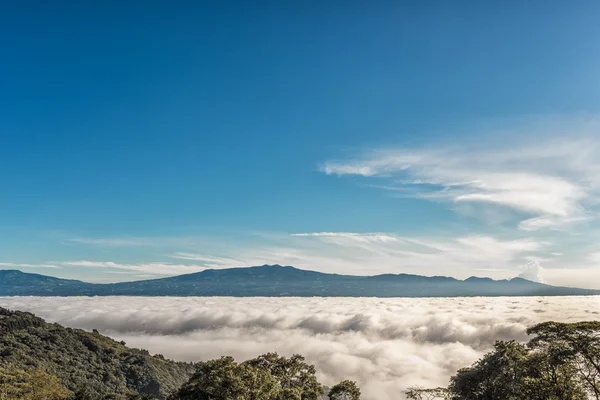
(385, 345)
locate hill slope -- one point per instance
(87, 363)
(17, 282)
(275, 280)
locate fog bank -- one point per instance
(384, 344)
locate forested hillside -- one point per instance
(86, 363)
(43, 361)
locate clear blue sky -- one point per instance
(135, 131)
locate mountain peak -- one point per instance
(479, 279)
(11, 272)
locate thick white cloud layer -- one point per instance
(384, 344)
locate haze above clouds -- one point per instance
(384, 344)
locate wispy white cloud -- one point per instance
(352, 237)
(114, 242)
(139, 241)
(549, 222)
(553, 182)
(208, 261)
(376, 253)
(153, 268)
(22, 265)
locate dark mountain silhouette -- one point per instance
(275, 280)
(14, 282)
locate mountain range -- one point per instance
(276, 280)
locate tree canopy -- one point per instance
(345, 390)
(560, 362)
(226, 379)
(34, 385)
(266, 377)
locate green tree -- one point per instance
(560, 362)
(418, 393)
(224, 379)
(267, 377)
(574, 348)
(514, 371)
(296, 378)
(499, 375)
(345, 390)
(551, 377)
(34, 385)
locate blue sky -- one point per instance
(150, 138)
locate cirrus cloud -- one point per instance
(153, 268)
(551, 183)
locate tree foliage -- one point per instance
(418, 393)
(514, 372)
(345, 390)
(576, 346)
(296, 378)
(560, 362)
(34, 385)
(88, 364)
(226, 379)
(267, 377)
